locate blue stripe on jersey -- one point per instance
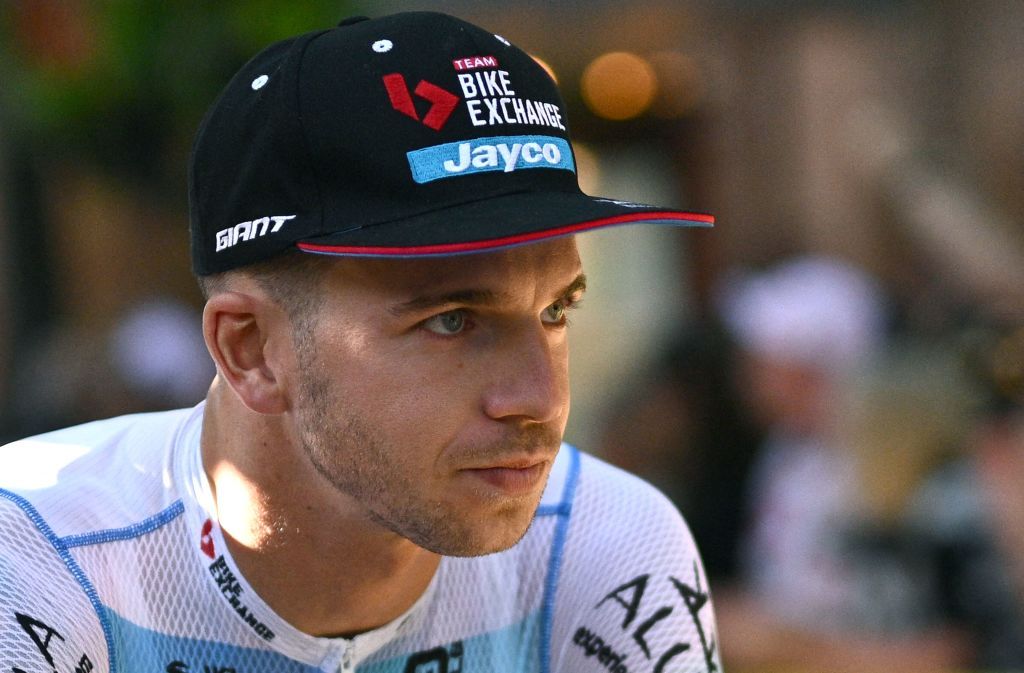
(555, 564)
(508, 650)
(558, 509)
(141, 649)
(76, 571)
(141, 528)
(513, 649)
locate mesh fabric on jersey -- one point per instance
(111, 560)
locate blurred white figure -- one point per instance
(157, 350)
(804, 328)
(807, 329)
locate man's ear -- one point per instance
(237, 326)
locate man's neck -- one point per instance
(310, 552)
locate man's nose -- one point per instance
(529, 379)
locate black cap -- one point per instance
(408, 135)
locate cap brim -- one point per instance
(494, 223)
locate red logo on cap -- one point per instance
(474, 62)
(444, 102)
(206, 541)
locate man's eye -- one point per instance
(555, 314)
(446, 324)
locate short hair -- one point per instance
(292, 279)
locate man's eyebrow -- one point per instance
(577, 286)
(477, 297)
(428, 301)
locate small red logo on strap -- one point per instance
(206, 542)
(443, 102)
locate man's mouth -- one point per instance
(519, 476)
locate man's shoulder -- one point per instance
(99, 475)
(630, 586)
(614, 500)
(615, 519)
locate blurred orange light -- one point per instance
(619, 85)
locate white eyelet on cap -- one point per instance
(259, 82)
(383, 46)
(503, 41)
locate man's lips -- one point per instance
(512, 477)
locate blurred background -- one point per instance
(829, 384)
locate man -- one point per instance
(375, 480)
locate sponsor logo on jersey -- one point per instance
(481, 155)
(232, 591)
(42, 636)
(643, 621)
(437, 660)
(595, 646)
(249, 230)
(178, 666)
(206, 539)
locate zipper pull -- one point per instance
(347, 657)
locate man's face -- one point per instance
(433, 393)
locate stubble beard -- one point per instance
(345, 450)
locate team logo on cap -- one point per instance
(249, 230)
(474, 62)
(443, 102)
(482, 155)
(491, 99)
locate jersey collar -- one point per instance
(225, 579)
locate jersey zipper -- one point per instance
(347, 658)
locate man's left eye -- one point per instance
(448, 323)
(555, 314)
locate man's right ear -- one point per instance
(237, 326)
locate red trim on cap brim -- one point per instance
(701, 219)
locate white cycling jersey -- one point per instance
(111, 560)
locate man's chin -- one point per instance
(480, 539)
